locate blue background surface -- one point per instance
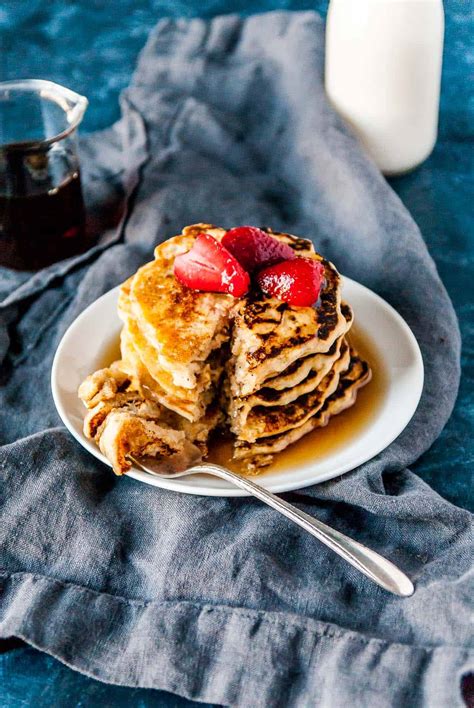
(91, 46)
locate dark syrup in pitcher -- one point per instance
(41, 213)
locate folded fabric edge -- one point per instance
(239, 657)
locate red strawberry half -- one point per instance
(296, 282)
(255, 249)
(210, 267)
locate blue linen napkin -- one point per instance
(215, 599)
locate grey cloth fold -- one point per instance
(222, 600)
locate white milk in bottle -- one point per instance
(383, 71)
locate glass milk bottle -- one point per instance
(383, 72)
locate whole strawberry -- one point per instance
(297, 281)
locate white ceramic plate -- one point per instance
(92, 341)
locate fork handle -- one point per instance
(374, 566)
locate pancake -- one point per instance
(125, 425)
(267, 421)
(142, 361)
(181, 325)
(260, 452)
(301, 377)
(240, 408)
(296, 372)
(270, 335)
(103, 385)
(125, 434)
(190, 403)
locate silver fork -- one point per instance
(374, 566)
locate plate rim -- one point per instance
(284, 486)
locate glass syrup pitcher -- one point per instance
(42, 217)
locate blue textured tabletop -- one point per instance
(91, 46)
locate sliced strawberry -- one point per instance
(296, 282)
(255, 249)
(208, 266)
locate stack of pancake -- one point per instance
(291, 367)
(196, 361)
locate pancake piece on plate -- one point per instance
(124, 424)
